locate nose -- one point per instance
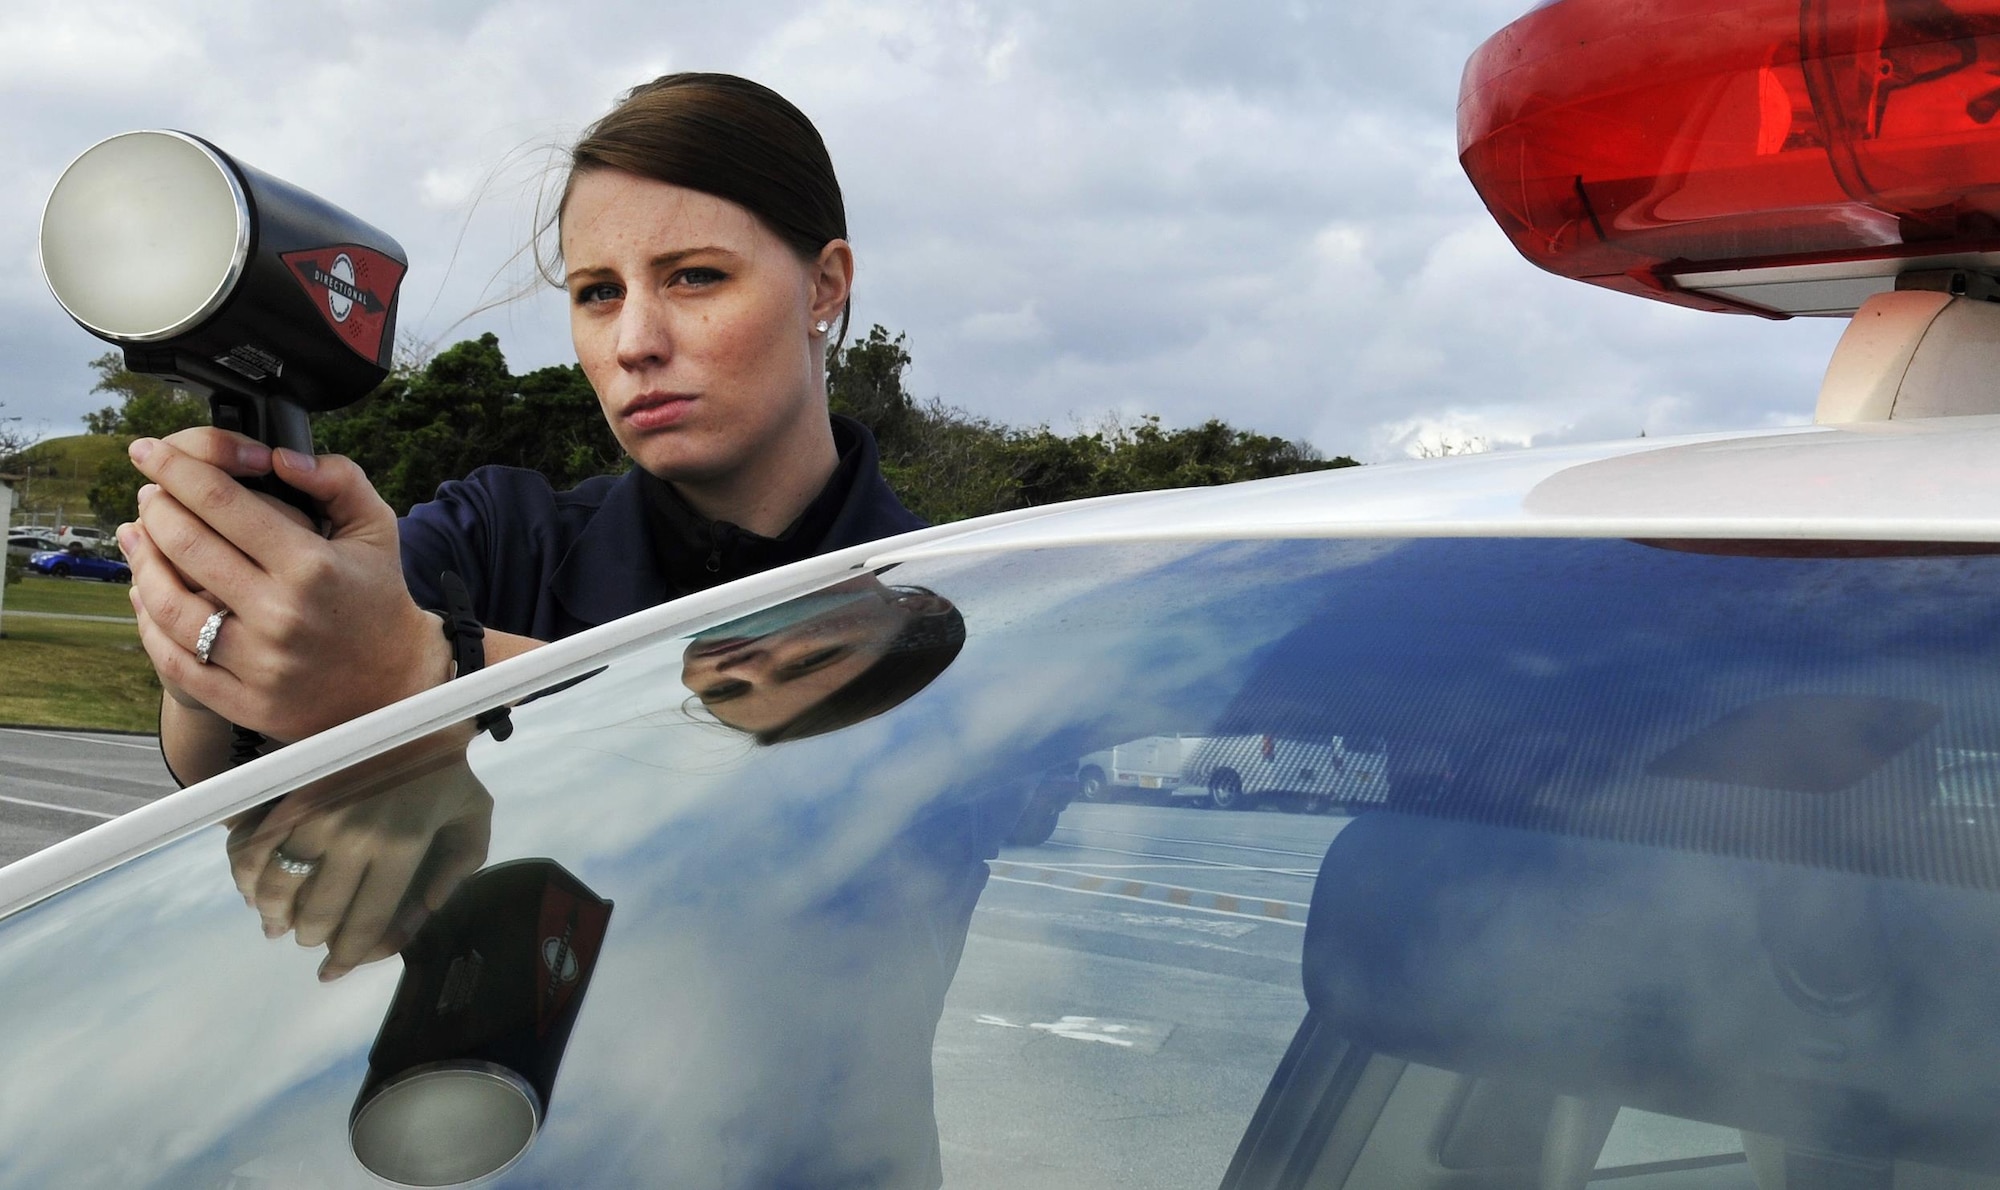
(750, 658)
(645, 339)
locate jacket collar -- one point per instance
(612, 570)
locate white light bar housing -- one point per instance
(1914, 353)
(1833, 288)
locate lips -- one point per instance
(652, 411)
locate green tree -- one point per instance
(865, 381)
(147, 407)
(464, 409)
(948, 464)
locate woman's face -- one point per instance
(693, 322)
(760, 682)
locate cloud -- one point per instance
(1251, 212)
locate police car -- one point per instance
(1685, 875)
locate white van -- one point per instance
(1326, 774)
(1151, 764)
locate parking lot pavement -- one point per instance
(54, 784)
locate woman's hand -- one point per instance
(382, 858)
(321, 628)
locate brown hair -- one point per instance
(729, 137)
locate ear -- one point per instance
(832, 280)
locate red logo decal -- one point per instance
(571, 931)
(354, 288)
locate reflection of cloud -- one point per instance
(787, 915)
(624, 739)
(148, 1018)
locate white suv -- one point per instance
(93, 540)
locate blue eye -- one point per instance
(700, 277)
(601, 292)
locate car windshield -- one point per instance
(1359, 863)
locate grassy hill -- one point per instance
(60, 472)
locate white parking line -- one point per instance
(21, 801)
(1198, 865)
(1085, 892)
(1220, 865)
(60, 735)
(1312, 855)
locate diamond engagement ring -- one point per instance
(205, 642)
(294, 867)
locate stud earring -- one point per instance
(821, 326)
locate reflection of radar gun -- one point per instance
(461, 1074)
(216, 276)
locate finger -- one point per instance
(279, 893)
(369, 915)
(249, 851)
(137, 546)
(150, 567)
(250, 522)
(323, 902)
(204, 558)
(459, 852)
(253, 843)
(225, 450)
(158, 585)
(209, 685)
(404, 926)
(246, 822)
(337, 483)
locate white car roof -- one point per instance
(1932, 480)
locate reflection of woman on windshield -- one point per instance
(823, 661)
(357, 866)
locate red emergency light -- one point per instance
(1774, 157)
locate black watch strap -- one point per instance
(468, 647)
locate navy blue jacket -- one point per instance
(549, 564)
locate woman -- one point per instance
(703, 249)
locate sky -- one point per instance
(1074, 210)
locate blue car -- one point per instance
(76, 563)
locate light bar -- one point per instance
(1761, 156)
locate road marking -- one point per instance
(1220, 865)
(1209, 927)
(59, 735)
(1200, 900)
(21, 801)
(1313, 855)
(62, 791)
(1143, 1037)
(1200, 865)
